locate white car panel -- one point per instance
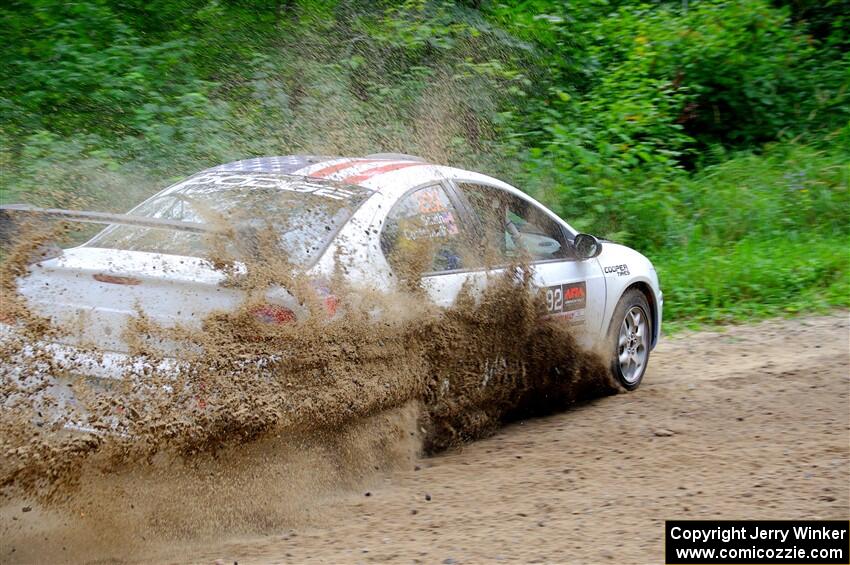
(92, 292)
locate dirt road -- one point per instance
(750, 422)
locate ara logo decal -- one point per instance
(619, 270)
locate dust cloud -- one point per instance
(250, 426)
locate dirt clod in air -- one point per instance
(245, 409)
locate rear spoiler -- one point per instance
(103, 218)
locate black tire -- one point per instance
(632, 301)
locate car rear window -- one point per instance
(302, 214)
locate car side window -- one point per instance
(422, 234)
(514, 227)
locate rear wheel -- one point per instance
(630, 334)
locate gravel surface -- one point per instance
(748, 422)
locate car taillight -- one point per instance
(273, 314)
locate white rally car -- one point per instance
(360, 212)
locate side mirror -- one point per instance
(587, 246)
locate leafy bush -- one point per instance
(75, 66)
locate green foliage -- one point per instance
(755, 278)
(760, 235)
(712, 135)
(786, 188)
(737, 72)
(73, 66)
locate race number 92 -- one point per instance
(555, 299)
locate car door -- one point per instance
(512, 227)
(445, 236)
(427, 239)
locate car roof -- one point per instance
(389, 173)
(294, 164)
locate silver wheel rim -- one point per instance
(632, 344)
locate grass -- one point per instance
(754, 279)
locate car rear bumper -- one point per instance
(45, 376)
(45, 358)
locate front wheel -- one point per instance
(630, 333)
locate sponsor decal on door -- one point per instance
(567, 302)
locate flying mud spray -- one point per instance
(242, 424)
